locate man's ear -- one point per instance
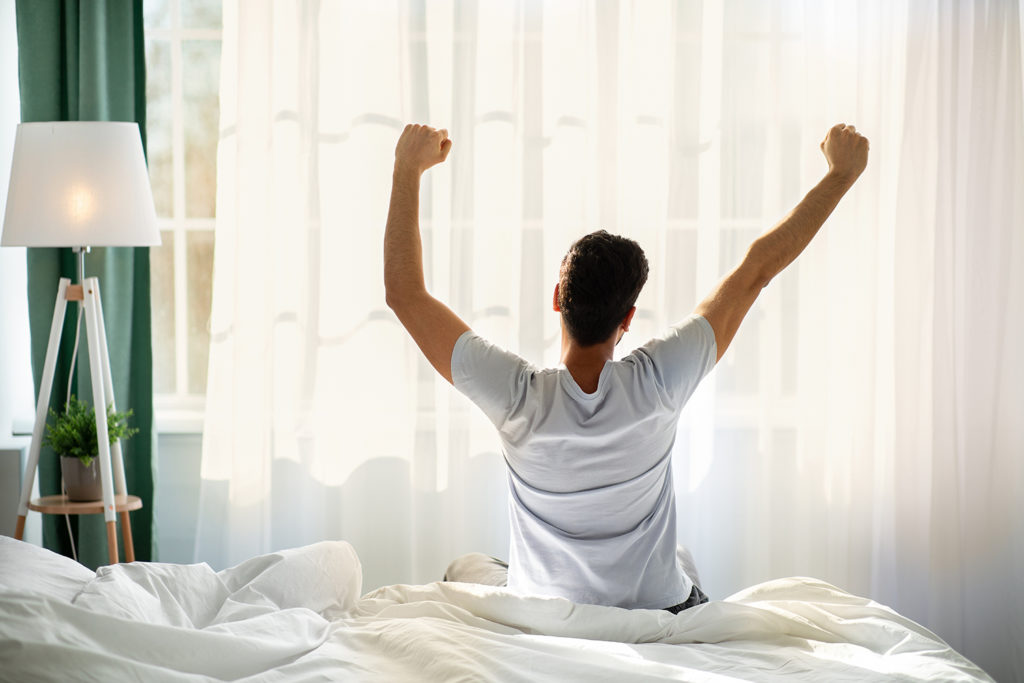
(628, 319)
(554, 304)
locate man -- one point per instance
(589, 445)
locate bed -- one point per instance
(299, 615)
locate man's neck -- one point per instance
(585, 363)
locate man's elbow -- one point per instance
(392, 299)
(393, 288)
(399, 298)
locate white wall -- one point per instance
(176, 495)
(16, 392)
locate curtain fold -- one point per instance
(85, 61)
(863, 427)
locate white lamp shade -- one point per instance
(79, 184)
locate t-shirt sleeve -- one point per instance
(496, 380)
(678, 360)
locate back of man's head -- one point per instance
(600, 278)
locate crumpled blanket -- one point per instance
(298, 615)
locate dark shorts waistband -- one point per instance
(697, 597)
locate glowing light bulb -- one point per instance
(81, 204)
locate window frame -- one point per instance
(180, 411)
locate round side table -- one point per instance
(60, 505)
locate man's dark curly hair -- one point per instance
(600, 278)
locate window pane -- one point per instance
(200, 282)
(791, 17)
(161, 282)
(688, 17)
(201, 14)
(685, 157)
(202, 116)
(681, 277)
(748, 16)
(156, 13)
(158, 125)
(744, 78)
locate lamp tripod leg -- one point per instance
(112, 542)
(100, 404)
(126, 536)
(43, 404)
(116, 458)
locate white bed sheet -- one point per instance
(298, 615)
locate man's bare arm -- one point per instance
(433, 326)
(847, 155)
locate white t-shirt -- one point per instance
(591, 505)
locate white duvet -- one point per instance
(298, 615)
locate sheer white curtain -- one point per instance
(865, 427)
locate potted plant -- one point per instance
(73, 437)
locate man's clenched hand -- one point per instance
(846, 151)
(420, 147)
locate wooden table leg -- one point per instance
(126, 534)
(112, 542)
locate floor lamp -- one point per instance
(80, 185)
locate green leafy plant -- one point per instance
(73, 434)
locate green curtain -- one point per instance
(86, 61)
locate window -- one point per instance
(747, 177)
(759, 181)
(183, 42)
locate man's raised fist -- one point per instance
(420, 147)
(846, 151)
